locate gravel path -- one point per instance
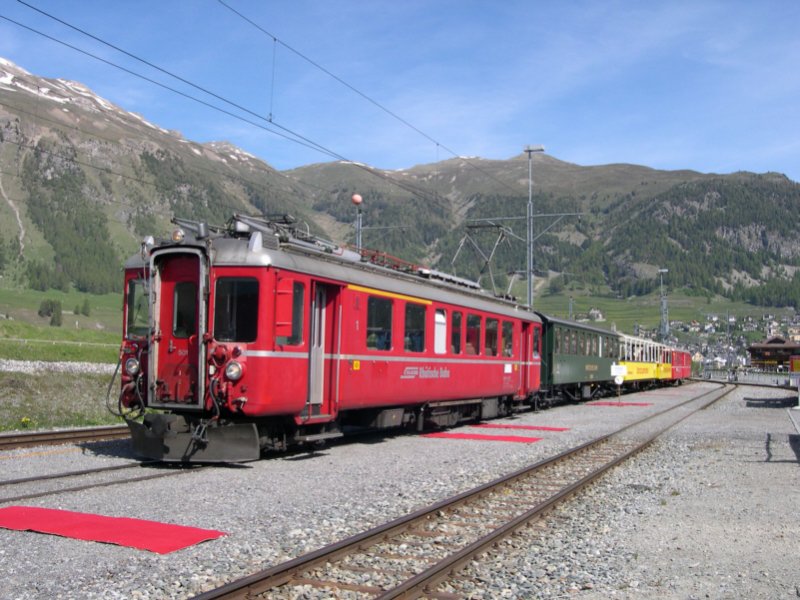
(41, 366)
(707, 512)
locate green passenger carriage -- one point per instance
(576, 359)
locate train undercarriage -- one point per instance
(189, 438)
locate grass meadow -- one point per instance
(46, 400)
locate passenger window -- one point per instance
(298, 306)
(138, 312)
(440, 331)
(455, 333)
(184, 309)
(236, 309)
(473, 334)
(537, 340)
(508, 338)
(379, 323)
(492, 326)
(414, 340)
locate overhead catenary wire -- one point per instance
(365, 96)
(254, 167)
(268, 125)
(132, 178)
(269, 120)
(164, 86)
(76, 161)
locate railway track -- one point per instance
(421, 554)
(96, 477)
(10, 441)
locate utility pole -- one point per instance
(664, 311)
(357, 200)
(530, 150)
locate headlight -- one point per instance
(234, 371)
(132, 367)
(178, 235)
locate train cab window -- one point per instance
(138, 316)
(537, 341)
(492, 326)
(508, 338)
(236, 309)
(379, 323)
(298, 308)
(440, 331)
(455, 333)
(473, 334)
(414, 339)
(184, 307)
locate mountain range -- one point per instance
(83, 180)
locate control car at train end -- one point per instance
(257, 336)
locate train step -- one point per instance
(318, 437)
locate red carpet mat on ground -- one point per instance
(162, 538)
(486, 438)
(522, 427)
(619, 404)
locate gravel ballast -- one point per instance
(708, 511)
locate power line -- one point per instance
(290, 134)
(74, 160)
(327, 72)
(128, 127)
(366, 97)
(298, 139)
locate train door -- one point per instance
(531, 357)
(324, 351)
(177, 290)
(525, 367)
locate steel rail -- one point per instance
(65, 474)
(91, 486)
(286, 572)
(10, 441)
(426, 582)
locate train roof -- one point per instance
(577, 325)
(254, 241)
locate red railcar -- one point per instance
(253, 338)
(681, 365)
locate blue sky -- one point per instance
(703, 85)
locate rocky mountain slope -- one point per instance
(82, 180)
